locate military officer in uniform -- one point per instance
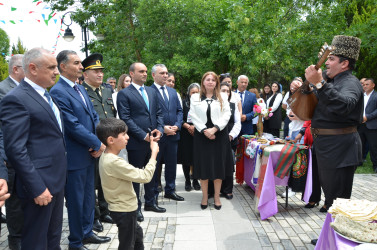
(102, 101)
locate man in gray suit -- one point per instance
(13, 204)
(368, 129)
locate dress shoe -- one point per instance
(323, 209)
(154, 208)
(106, 218)
(97, 226)
(314, 242)
(217, 207)
(311, 204)
(229, 196)
(188, 186)
(14, 243)
(159, 188)
(78, 248)
(196, 184)
(204, 206)
(174, 196)
(3, 218)
(139, 216)
(95, 239)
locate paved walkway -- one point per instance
(236, 226)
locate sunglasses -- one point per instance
(225, 75)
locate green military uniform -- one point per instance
(103, 103)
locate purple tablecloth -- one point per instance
(267, 205)
(328, 239)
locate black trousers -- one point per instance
(336, 183)
(130, 234)
(13, 208)
(316, 189)
(369, 136)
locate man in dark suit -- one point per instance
(83, 146)
(173, 116)
(368, 129)
(102, 101)
(35, 147)
(138, 107)
(248, 100)
(13, 204)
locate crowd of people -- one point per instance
(69, 142)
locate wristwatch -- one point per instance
(320, 84)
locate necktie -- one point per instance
(54, 109)
(144, 97)
(165, 97)
(98, 93)
(79, 92)
(241, 93)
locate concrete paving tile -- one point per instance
(288, 245)
(238, 244)
(189, 232)
(194, 220)
(273, 237)
(190, 245)
(278, 246)
(297, 241)
(264, 241)
(240, 231)
(191, 210)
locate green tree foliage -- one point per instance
(4, 50)
(266, 40)
(19, 48)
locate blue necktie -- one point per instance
(241, 93)
(144, 97)
(54, 109)
(80, 94)
(165, 97)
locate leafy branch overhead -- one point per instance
(266, 40)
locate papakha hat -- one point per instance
(93, 62)
(347, 46)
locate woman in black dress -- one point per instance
(210, 113)
(272, 124)
(185, 146)
(266, 93)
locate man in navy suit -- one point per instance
(368, 129)
(138, 107)
(248, 101)
(173, 116)
(83, 146)
(13, 204)
(34, 145)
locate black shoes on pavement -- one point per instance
(174, 196)
(154, 208)
(95, 239)
(139, 216)
(97, 226)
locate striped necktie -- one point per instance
(54, 109)
(164, 95)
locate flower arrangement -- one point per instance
(261, 109)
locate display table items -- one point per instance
(263, 164)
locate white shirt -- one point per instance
(243, 95)
(138, 88)
(235, 98)
(41, 91)
(14, 80)
(237, 124)
(285, 101)
(278, 99)
(366, 99)
(160, 90)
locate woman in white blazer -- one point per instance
(210, 113)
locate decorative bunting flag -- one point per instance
(11, 21)
(39, 3)
(13, 9)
